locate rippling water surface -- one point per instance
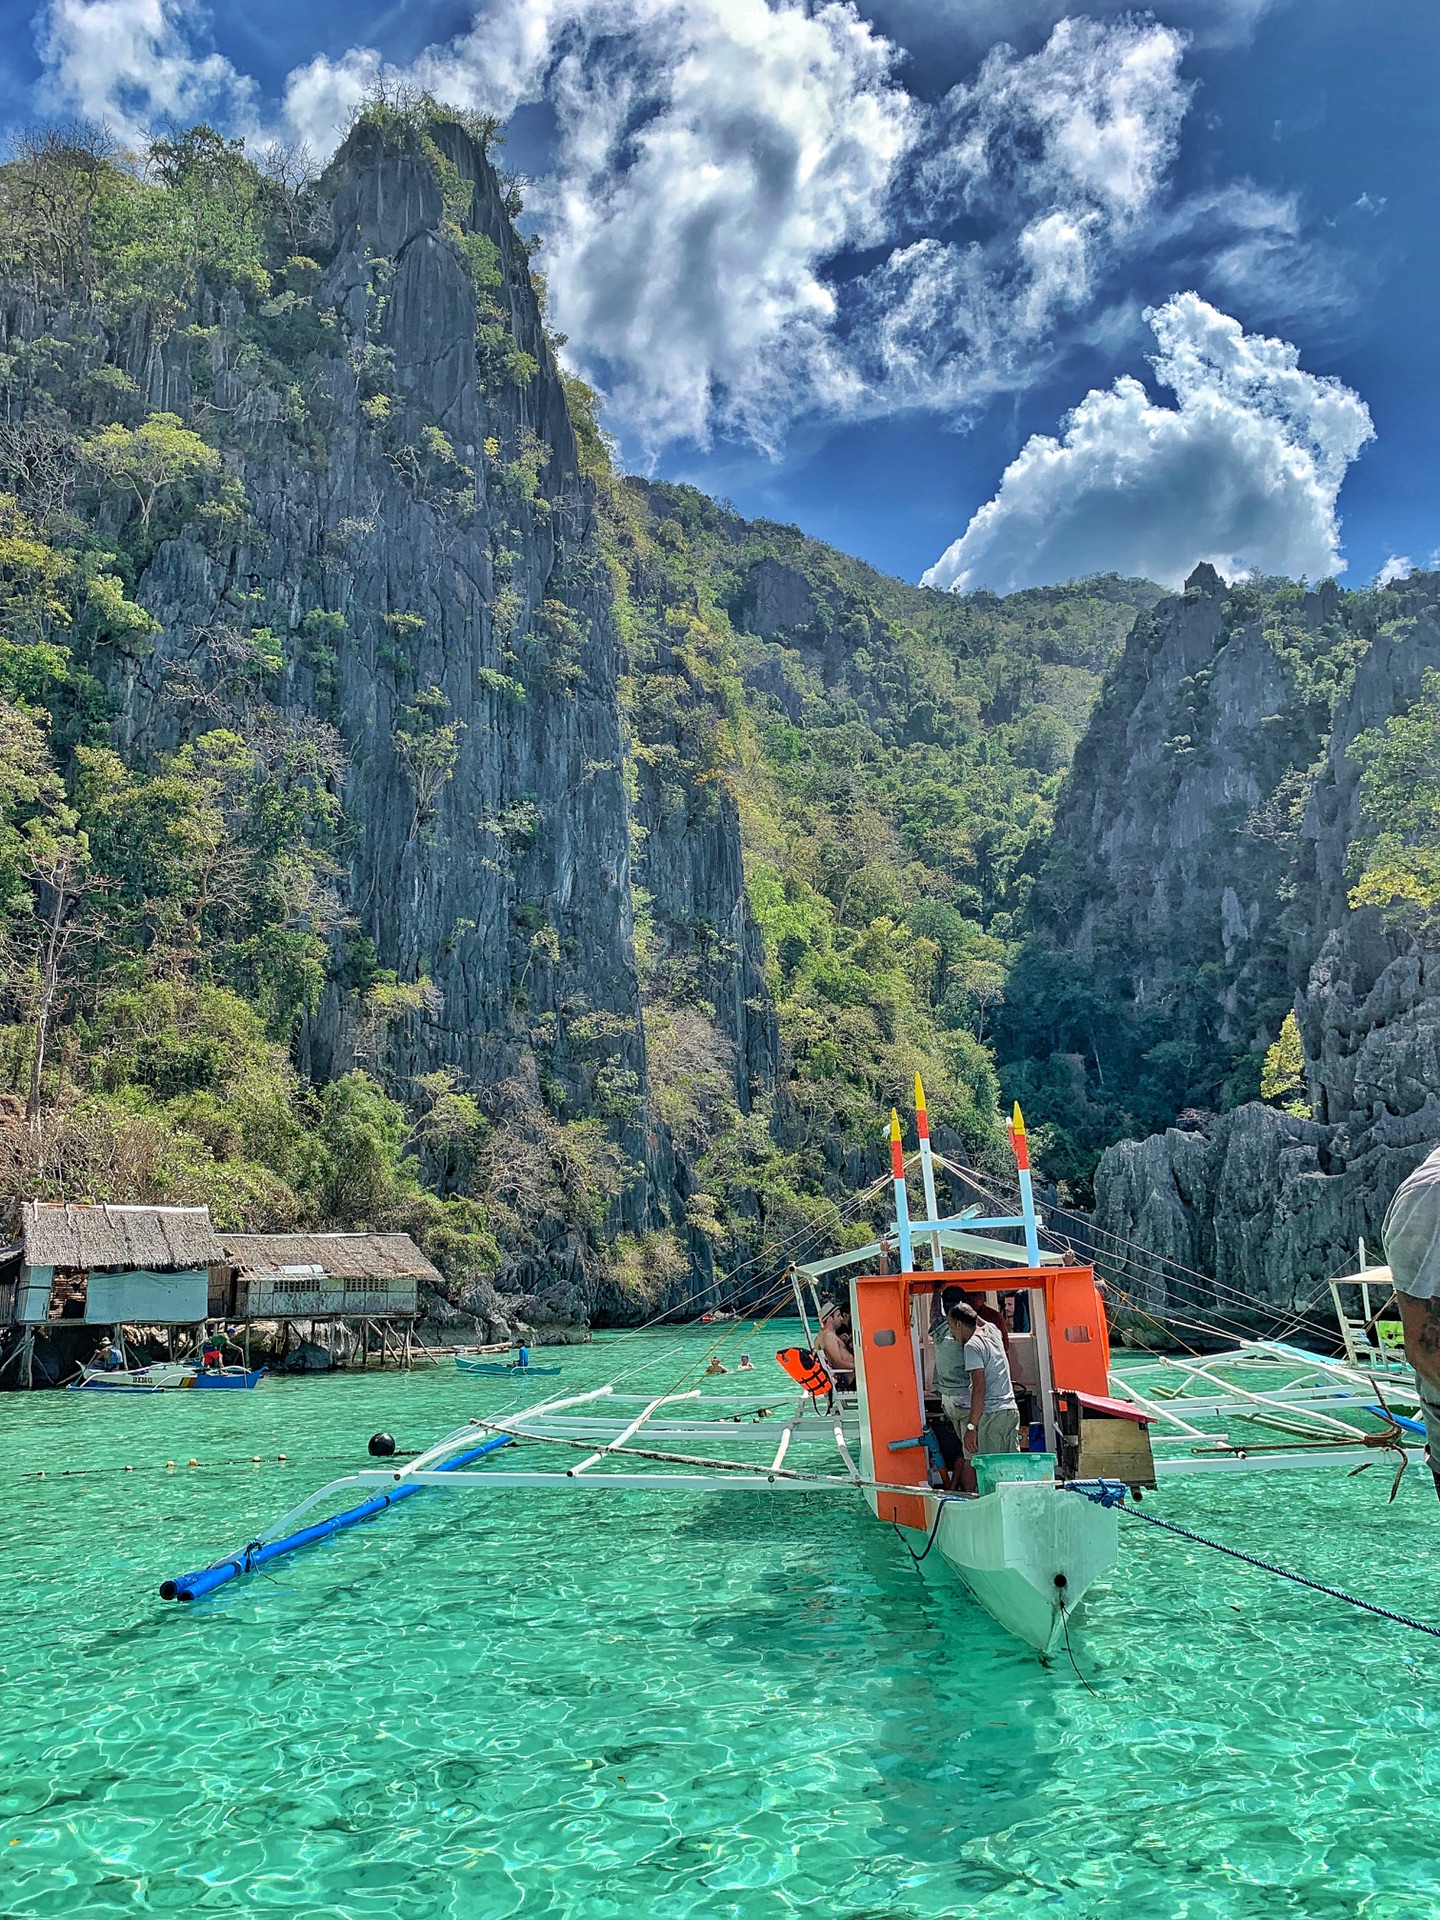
(589, 1705)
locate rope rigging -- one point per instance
(1110, 1493)
(1155, 1266)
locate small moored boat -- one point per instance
(511, 1369)
(164, 1377)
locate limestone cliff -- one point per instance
(423, 541)
(1201, 868)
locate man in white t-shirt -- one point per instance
(1412, 1246)
(976, 1390)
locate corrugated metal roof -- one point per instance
(343, 1256)
(162, 1239)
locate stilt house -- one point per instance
(320, 1276)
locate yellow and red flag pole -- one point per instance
(927, 1174)
(1021, 1144)
(902, 1197)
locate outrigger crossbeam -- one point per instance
(442, 1467)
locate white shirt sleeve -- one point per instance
(1411, 1232)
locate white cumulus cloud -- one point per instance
(1091, 119)
(697, 197)
(1244, 470)
(1060, 159)
(133, 65)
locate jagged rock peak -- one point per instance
(1205, 580)
(1210, 832)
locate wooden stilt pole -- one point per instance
(408, 1362)
(431, 1358)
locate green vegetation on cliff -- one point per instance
(1396, 864)
(166, 922)
(894, 756)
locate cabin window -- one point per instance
(885, 1337)
(1016, 1309)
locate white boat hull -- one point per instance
(1009, 1547)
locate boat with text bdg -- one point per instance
(166, 1377)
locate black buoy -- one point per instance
(382, 1445)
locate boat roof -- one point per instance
(979, 1245)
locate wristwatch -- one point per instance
(970, 1427)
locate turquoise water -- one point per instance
(591, 1706)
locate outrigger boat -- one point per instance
(510, 1369)
(164, 1377)
(1043, 1527)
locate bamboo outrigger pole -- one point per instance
(1021, 1145)
(192, 1586)
(927, 1174)
(902, 1197)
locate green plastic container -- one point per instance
(992, 1468)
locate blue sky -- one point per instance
(841, 264)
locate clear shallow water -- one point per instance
(591, 1706)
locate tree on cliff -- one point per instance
(1398, 868)
(1283, 1071)
(153, 459)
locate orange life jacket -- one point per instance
(802, 1366)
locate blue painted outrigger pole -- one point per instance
(191, 1586)
(902, 1195)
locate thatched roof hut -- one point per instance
(110, 1265)
(340, 1256)
(325, 1275)
(76, 1238)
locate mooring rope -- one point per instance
(1104, 1493)
(918, 1557)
